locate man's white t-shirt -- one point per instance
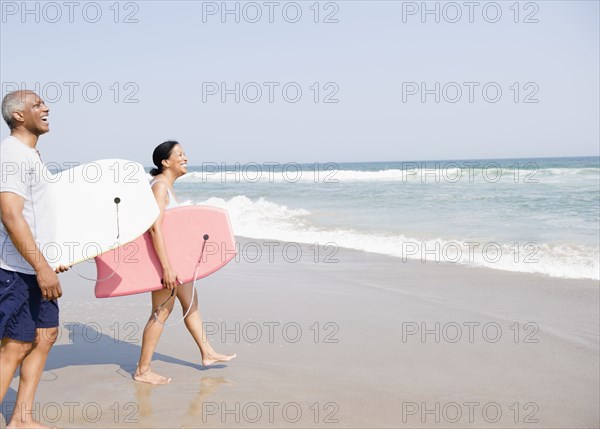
(22, 172)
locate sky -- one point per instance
(307, 81)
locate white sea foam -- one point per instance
(263, 219)
(451, 172)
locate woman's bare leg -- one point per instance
(193, 322)
(152, 333)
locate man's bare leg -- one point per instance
(12, 354)
(31, 372)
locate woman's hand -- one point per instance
(170, 279)
(61, 269)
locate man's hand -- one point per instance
(61, 269)
(49, 284)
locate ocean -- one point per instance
(537, 215)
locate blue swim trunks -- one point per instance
(22, 309)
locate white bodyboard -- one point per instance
(98, 206)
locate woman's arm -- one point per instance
(170, 279)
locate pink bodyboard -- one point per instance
(134, 267)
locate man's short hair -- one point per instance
(13, 102)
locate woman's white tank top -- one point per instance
(172, 201)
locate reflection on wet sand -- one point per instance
(193, 417)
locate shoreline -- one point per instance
(328, 254)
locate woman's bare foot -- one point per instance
(150, 377)
(214, 357)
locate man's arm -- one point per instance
(11, 211)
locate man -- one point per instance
(29, 287)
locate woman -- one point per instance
(171, 163)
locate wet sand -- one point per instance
(367, 341)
